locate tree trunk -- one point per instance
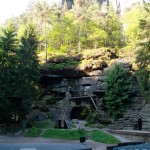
(79, 43)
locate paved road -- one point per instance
(52, 146)
(40, 140)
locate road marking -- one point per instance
(27, 148)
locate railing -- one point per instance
(66, 120)
(81, 94)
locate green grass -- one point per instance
(100, 136)
(65, 134)
(34, 132)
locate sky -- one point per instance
(12, 8)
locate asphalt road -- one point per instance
(51, 146)
(9, 142)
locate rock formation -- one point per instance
(94, 82)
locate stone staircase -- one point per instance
(145, 113)
(130, 116)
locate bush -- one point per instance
(34, 132)
(117, 90)
(46, 124)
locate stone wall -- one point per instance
(145, 114)
(136, 136)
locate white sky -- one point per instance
(12, 8)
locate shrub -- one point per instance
(34, 132)
(46, 124)
(117, 90)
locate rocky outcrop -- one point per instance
(85, 64)
(94, 81)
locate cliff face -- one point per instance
(94, 83)
(85, 73)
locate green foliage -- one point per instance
(61, 66)
(81, 27)
(114, 30)
(34, 132)
(91, 59)
(46, 124)
(117, 90)
(8, 69)
(28, 68)
(100, 136)
(143, 53)
(91, 115)
(17, 83)
(131, 20)
(65, 134)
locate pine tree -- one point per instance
(8, 69)
(117, 90)
(143, 53)
(28, 72)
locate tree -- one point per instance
(28, 72)
(114, 29)
(143, 52)
(131, 25)
(19, 73)
(117, 90)
(97, 33)
(8, 70)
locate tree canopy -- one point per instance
(19, 72)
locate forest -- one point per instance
(29, 42)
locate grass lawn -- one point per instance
(34, 132)
(97, 136)
(65, 134)
(100, 136)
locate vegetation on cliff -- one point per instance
(87, 60)
(143, 53)
(85, 38)
(117, 90)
